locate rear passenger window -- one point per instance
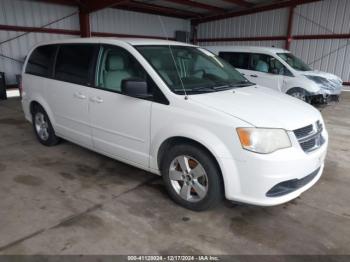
(74, 63)
(238, 60)
(41, 60)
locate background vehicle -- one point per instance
(280, 70)
(179, 111)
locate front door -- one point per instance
(120, 124)
(263, 71)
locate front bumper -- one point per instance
(258, 174)
(324, 99)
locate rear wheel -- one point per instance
(43, 128)
(192, 178)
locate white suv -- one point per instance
(178, 111)
(280, 70)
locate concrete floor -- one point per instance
(68, 200)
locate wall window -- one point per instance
(237, 60)
(74, 63)
(41, 60)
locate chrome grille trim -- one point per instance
(310, 137)
(301, 132)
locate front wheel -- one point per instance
(298, 93)
(192, 178)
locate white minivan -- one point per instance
(179, 111)
(280, 70)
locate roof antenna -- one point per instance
(172, 56)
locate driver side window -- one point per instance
(268, 64)
(115, 65)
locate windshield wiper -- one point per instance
(243, 84)
(233, 85)
(212, 88)
(204, 88)
(220, 87)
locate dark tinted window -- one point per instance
(74, 63)
(238, 60)
(41, 60)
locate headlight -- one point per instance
(263, 140)
(321, 81)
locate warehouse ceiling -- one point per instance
(187, 9)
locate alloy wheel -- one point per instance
(41, 126)
(188, 178)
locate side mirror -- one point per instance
(135, 88)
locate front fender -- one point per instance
(211, 142)
(201, 135)
(306, 84)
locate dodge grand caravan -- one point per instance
(279, 69)
(179, 111)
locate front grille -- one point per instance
(304, 131)
(289, 186)
(310, 137)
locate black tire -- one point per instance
(215, 191)
(298, 93)
(51, 139)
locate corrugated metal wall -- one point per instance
(128, 22)
(324, 17)
(29, 13)
(37, 14)
(270, 23)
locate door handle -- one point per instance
(79, 95)
(253, 75)
(98, 100)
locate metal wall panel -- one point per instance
(324, 17)
(269, 23)
(332, 55)
(134, 23)
(37, 14)
(29, 13)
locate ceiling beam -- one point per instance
(60, 2)
(257, 9)
(158, 10)
(95, 5)
(241, 3)
(89, 6)
(197, 5)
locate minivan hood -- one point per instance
(261, 107)
(321, 74)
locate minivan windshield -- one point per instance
(294, 62)
(192, 69)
